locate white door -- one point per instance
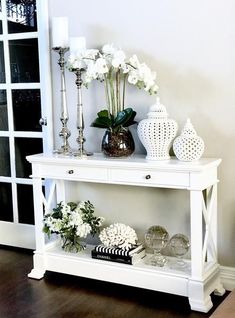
(25, 98)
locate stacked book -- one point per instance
(119, 255)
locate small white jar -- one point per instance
(157, 132)
(188, 146)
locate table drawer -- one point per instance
(150, 177)
(74, 173)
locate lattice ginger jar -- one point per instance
(188, 146)
(157, 132)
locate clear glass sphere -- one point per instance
(157, 238)
(180, 245)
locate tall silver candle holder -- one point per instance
(81, 152)
(65, 149)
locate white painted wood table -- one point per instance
(202, 276)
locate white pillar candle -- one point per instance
(77, 45)
(60, 32)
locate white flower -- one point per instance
(134, 61)
(83, 230)
(118, 58)
(108, 49)
(90, 54)
(65, 209)
(101, 66)
(153, 89)
(75, 219)
(81, 205)
(54, 224)
(133, 77)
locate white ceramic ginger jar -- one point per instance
(157, 132)
(188, 146)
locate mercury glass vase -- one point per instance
(118, 143)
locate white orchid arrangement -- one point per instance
(72, 221)
(111, 66)
(118, 235)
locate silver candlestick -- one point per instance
(65, 149)
(81, 152)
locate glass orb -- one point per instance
(180, 245)
(157, 238)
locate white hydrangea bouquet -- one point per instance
(72, 221)
(111, 66)
(118, 235)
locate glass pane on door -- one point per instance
(21, 16)
(6, 211)
(26, 109)
(25, 203)
(24, 60)
(2, 64)
(5, 168)
(0, 27)
(3, 110)
(23, 148)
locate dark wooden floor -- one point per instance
(63, 296)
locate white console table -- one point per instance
(198, 178)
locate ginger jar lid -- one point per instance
(188, 130)
(158, 110)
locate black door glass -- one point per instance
(23, 148)
(24, 60)
(0, 26)
(26, 109)
(25, 203)
(21, 15)
(6, 211)
(5, 168)
(2, 64)
(3, 110)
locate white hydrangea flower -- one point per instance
(83, 230)
(75, 219)
(55, 224)
(81, 205)
(65, 209)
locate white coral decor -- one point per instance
(118, 235)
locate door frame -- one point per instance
(15, 233)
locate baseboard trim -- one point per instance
(227, 275)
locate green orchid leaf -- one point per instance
(131, 120)
(102, 122)
(120, 119)
(124, 118)
(103, 113)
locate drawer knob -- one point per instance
(148, 177)
(70, 171)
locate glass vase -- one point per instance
(118, 143)
(72, 244)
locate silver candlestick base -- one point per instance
(81, 152)
(65, 148)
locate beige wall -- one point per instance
(191, 45)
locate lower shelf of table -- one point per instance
(165, 279)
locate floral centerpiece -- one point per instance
(72, 221)
(111, 66)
